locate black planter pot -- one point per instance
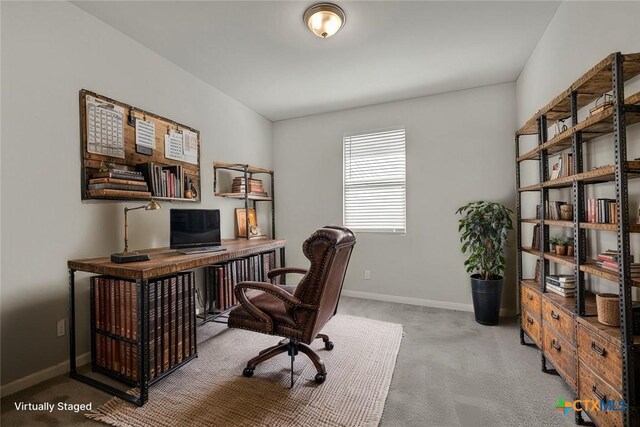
(487, 296)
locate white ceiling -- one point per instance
(262, 54)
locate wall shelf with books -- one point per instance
(611, 115)
(132, 154)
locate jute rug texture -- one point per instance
(211, 391)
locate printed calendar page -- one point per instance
(105, 128)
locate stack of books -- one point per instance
(221, 279)
(117, 182)
(552, 210)
(562, 284)
(255, 186)
(563, 167)
(171, 333)
(602, 211)
(164, 181)
(609, 260)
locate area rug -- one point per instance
(211, 390)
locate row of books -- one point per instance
(221, 279)
(561, 284)
(609, 260)
(255, 186)
(552, 210)
(116, 319)
(164, 181)
(105, 181)
(562, 167)
(602, 211)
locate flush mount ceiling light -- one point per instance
(324, 19)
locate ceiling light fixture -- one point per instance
(324, 19)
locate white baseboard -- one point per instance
(43, 375)
(419, 301)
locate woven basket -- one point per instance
(608, 309)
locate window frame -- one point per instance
(344, 178)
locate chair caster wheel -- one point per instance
(321, 377)
(248, 372)
(328, 345)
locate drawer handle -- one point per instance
(530, 320)
(529, 297)
(601, 351)
(555, 345)
(555, 315)
(601, 397)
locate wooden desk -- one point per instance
(163, 262)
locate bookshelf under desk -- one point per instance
(164, 263)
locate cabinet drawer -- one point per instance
(530, 299)
(601, 356)
(562, 321)
(592, 387)
(532, 326)
(561, 354)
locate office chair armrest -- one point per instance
(273, 290)
(285, 270)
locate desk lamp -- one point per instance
(128, 256)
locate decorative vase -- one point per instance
(561, 250)
(566, 212)
(569, 250)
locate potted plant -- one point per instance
(553, 241)
(569, 246)
(561, 245)
(484, 229)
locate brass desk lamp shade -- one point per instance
(126, 255)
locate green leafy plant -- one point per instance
(485, 228)
(564, 241)
(554, 240)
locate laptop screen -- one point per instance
(192, 228)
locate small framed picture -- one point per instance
(241, 221)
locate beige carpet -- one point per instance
(212, 391)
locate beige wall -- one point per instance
(459, 149)
(575, 41)
(51, 50)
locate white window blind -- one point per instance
(375, 181)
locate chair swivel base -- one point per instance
(292, 347)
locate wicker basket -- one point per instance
(608, 309)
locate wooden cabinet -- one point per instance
(560, 319)
(532, 326)
(601, 355)
(592, 387)
(561, 354)
(530, 297)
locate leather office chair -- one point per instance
(297, 312)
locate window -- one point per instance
(375, 185)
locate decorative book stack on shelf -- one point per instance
(132, 154)
(598, 362)
(115, 321)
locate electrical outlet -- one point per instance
(367, 275)
(61, 328)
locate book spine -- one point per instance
(186, 323)
(134, 362)
(179, 320)
(116, 355)
(107, 306)
(109, 355)
(116, 300)
(165, 328)
(192, 311)
(173, 342)
(135, 314)
(159, 325)
(123, 309)
(112, 306)
(123, 358)
(151, 289)
(127, 310)
(128, 360)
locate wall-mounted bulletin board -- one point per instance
(132, 154)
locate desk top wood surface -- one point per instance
(165, 261)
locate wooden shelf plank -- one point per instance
(239, 167)
(532, 187)
(530, 250)
(592, 127)
(591, 268)
(633, 228)
(602, 174)
(589, 87)
(530, 155)
(560, 259)
(558, 223)
(241, 196)
(530, 220)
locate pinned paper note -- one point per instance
(145, 134)
(174, 146)
(190, 144)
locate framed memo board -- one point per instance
(132, 154)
